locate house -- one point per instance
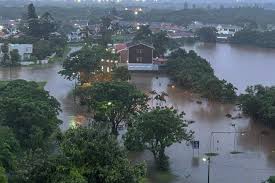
(75, 36)
(140, 57)
(122, 51)
(180, 34)
(25, 50)
(227, 30)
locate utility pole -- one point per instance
(208, 179)
(208, 171)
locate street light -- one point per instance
(208, 160)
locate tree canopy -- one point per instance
(121, 74)
(156, 130)
(99, 157)
(259, 103)
(85, 63)
(256, 38)
(9, 147)
(194, 73)
(159, 40)
(29, 111)
(39, 27)
(207, 34)
(114, 102)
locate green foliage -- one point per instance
(106, 31)
(9, 147)
(5, 51)
(114, 102)
(207, 34)
(195, 73)
(233, 16)
(31, 12)
(121, 74)
(84, 63)
(5, 47)
(271, 179)
(39, 166)
(14, 57)
(157, 130)
(47, 25)
(159, 40)
(42, 49)
(30, 112)
(39, 27)
(144, 34)
(3, 177)
(262, 39)
(99, 157)
(259, 103)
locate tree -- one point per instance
(42, 49)
(160, 42)
(40, 166)
(99, 156)
(47, 24)
(144, 34)
(115, 102)
(31, 12)
(3, 177)
(5, 51)
(259, 103)
(85, 63)
(106, 31)
(14, 57)
(157, 130)
(30, 112)
(194, 73)
(33, 21)
(121, 74)
(207, 34)
(9, 147)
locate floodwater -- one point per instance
(240, 65)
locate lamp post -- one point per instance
(208, 160)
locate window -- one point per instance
(139, 59)
(139, 51)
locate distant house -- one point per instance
(227, 30)
(180, 34)
(138, 56)
(75, 36)
(25, 50)
(122, 51)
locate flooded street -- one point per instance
(242, 66)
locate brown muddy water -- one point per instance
(240, 65)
